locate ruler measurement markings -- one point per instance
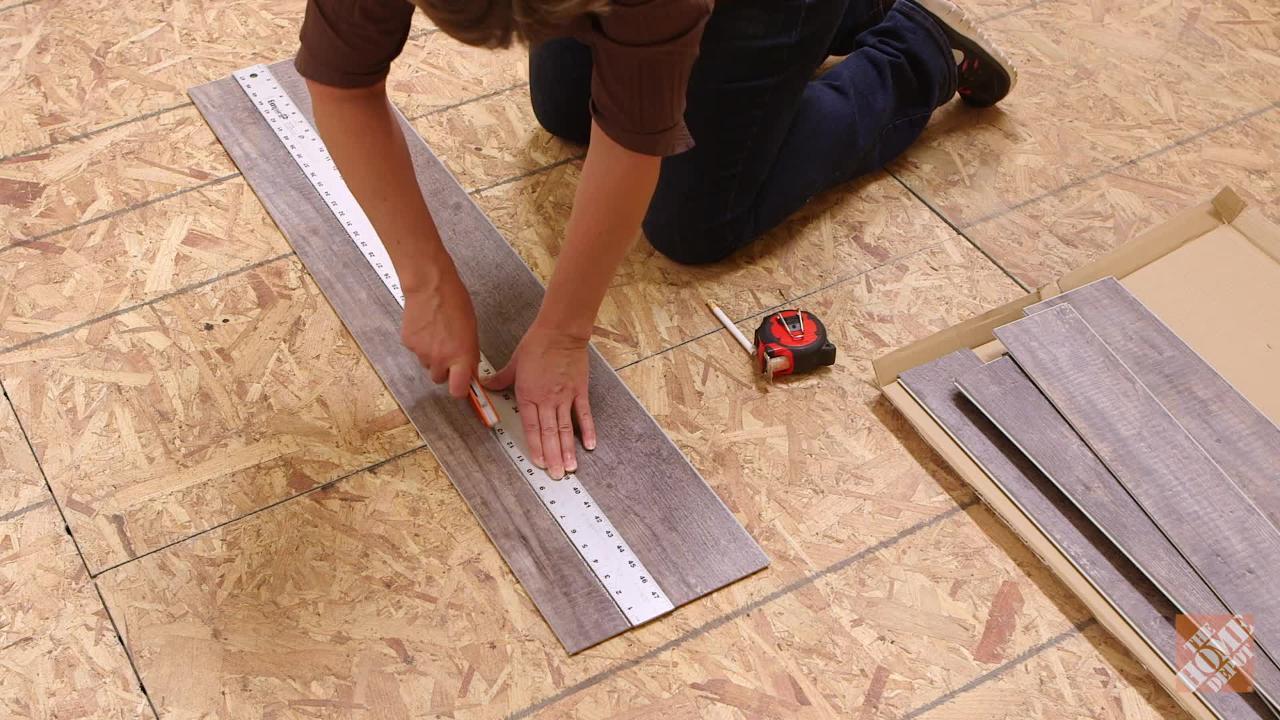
(583, 523)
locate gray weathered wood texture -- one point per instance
(933, 385)
(677, 526)
(1216, 528)
(1240, 439)
(1011, 401)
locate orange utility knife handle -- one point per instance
(483, 407)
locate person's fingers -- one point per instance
(439, 373)
(532, 436)
(459, 379)
(550, 435)
(586, 423)
(564, 428)
(502, 379)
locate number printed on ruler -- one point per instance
(311, 155)
(585, 525)
(595, 538)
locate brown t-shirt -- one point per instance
(642, 52)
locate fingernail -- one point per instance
(590, 444)
(571, 467)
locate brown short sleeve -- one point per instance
(351, 43)
(642, 54)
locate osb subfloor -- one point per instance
(206, 491)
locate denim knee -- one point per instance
(560, 88)
(690, 243)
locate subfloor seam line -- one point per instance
(957, 230)
(468, 101)
(128, 655)
(15, 514)
(224, 178)
(35, 458)
(18, 155)
(1013, 11)
(179, 291)
(742, 610)
(786, 302)
(66, 527)
(1008, 665)
(527, 174)
(117, 213)
(146, 303)
(17, 5)
(1120, 166)
(322, 486)
(90, 133)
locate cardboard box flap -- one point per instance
(1143, 252)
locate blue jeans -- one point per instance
(769, 136)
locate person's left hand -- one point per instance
(549, 371)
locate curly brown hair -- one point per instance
(496, 23)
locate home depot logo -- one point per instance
(1215, 652)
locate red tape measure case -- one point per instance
(796, 336)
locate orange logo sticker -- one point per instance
(1215, 653)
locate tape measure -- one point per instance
(792, 342)
(584, 524)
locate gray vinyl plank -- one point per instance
(1008, 398)
(1212, 524)
(1142, 604)
(1244, 442)
(673, 521)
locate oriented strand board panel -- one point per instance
(677, 526)
(1229, 428)
(82, 274)
(382, 589)
(1215, 527)
(1054, 235)
(74, 68)
(179, 415)
(934, 385)
(63, 186)
(655, 303)
(59, 657)
(21, 487)
(1011, 401)
(1172, 72)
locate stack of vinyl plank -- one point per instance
(1157, 479)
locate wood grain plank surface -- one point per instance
(674, 522)
(1231, 430)
(1216, 528)
(1150, 612)
(1008, 398)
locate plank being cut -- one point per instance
(1244, 442)
(1011, 401)
(1212, 524)
(673, 521)
(1141, 603)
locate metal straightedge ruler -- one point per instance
(584, 524)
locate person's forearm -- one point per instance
(360, 130)
(613, 195)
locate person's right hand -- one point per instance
(440, 328)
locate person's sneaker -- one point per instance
(986, 75)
